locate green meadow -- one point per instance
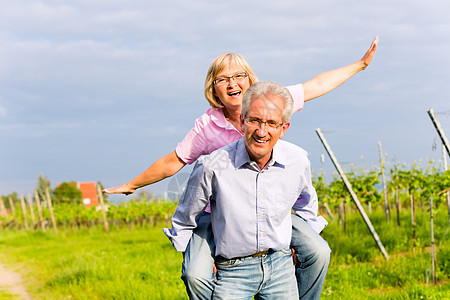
(138, 262)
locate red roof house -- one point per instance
(89, 192)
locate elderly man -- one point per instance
(252, 185)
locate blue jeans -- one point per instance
(197, 267)
(312, 251)
(270, 276)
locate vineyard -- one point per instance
(127, 214)
(407, 188)
(104, 244)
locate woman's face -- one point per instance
(232, 92)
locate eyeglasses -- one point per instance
(255, 122)
(239, 77)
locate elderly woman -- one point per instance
(228, 77)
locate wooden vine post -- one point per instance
(30, 205)
(24, 211)
(11, 205)
(344, 214)
(105, 220)
(433, 250)
(328, 210)
(439, 130)
(353, 194)
(50, 208)
(398, 205)
(383, 177)
(2, 207)
(448, 192)
(445, 143)
(413, 219)
(38, 204)
(2, 211)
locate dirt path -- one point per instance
(12, 282)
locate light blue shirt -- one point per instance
(250, 207)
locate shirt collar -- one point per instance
(278, 155)
(219, 119)
(241, 156)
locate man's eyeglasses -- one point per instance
(239, 77)
(255, 122)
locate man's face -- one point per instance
(261, 138)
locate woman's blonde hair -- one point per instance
(217, 66)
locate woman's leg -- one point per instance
(313, 253)
(197, 271)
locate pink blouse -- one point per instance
(212, 131)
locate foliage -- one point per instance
(14, 198)
(422, 182)
(322, 188)
(67, 192)
(364, 183)
(77, 215)
(42, 185)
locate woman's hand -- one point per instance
(328, 81)
(367, 58)
(123, 189)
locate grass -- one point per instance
(358, 270)
(141, 263)
(83, 264)
(5, 295)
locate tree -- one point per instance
(68, 192)
(42, 184)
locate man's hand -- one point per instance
(214, 268)
(215, 271)
(295, 258)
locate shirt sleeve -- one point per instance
(306, 205)
(193, 145)
(298, 95)
(192, 203)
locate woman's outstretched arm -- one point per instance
(164, 167)
(328, 81)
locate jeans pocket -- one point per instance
(227, 264)
(286, 251)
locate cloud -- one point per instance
(127, 77)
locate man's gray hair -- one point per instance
(268, 89)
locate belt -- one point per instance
(257, 254)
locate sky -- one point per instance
(99, 90)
